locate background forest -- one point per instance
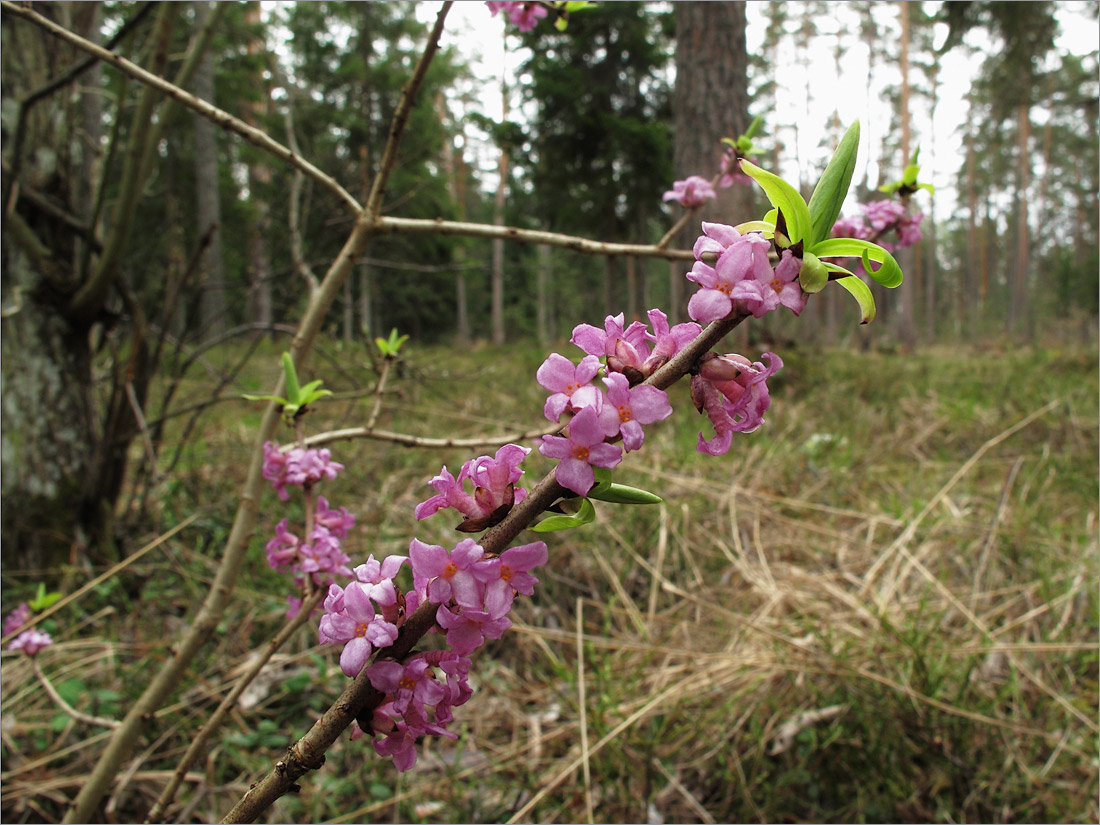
(880, 607)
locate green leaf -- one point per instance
(603, 479)
(755, 226)
(862, 293)
(622, 494)
(783, 197)
(293, 391)
(888, 274)
(829, 194)
(754, 127)
(585, 515)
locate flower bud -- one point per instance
(813, 275)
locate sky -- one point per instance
(481, 38)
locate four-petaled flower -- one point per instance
(626, 409)
(580, 451)
(569, 384)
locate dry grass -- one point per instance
(880, 607)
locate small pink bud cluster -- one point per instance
(691, 192)
(494, 489)
(602, 418)
(29, 641)
(321, 555)
(741, 280)
(524, 16)
(731, 170)
(886, 221)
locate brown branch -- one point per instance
(386, 225)
(218, 116)
(401, 117)
(66, 708)
(360, 698)
(407, 440)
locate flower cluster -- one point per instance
(29, 641)
(320, 555)
(618, 413)
(298, 467)
(474, 593)
(494, 489)
(691, 192)
(734, 395)
(886, 222)
(524, 16)
(731, 169)
(741, 278)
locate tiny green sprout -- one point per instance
(42, 599)
(390, 347)
(566, 8)
(908, 183)
(298, 398)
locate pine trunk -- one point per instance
(208, 202)
(710, 103)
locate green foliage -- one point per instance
(298, 398)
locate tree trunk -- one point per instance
(208, 203)
(711, 102)
(259, 183)
(1017, 299)
(496, 311)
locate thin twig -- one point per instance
(198, 745)
(387, 225)
(583, 711)
(406, 440)
(378, 390)
(68, 709)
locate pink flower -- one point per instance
(408, 683)
(733, 394)
(667, 342)
(716, 239)
(17, 618)
(568, 384)
(31, 641)
(691, 192)
(449, 575)
(524, 16)
(738, 275)
(580, 451)
(626, 349)
(851, 228)
(378, 579)
(323, 557)
(883, 213)
(274, 468)
(785, 283)
(338, 522)
(731, 170)
(507, 575)
(468, 629)
(350, 620)
(307, 467)
(628, 409)
(494, 489)
(282, 551)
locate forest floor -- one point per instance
(881, 606)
